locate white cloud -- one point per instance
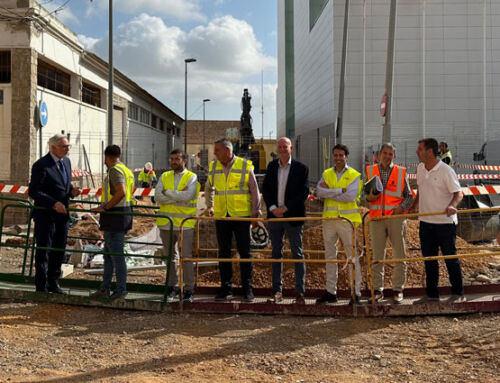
(227, 51)
(184, 10)
(88, 42)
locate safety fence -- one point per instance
(205, 245)
(30, 247)
(477, 252)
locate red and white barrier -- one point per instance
(468, 176)
(479, 167)
(80, 172)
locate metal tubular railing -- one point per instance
(369, 252)
(195, 260)
(25, 204)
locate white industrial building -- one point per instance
(446, 82)
(42, 60)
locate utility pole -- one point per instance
(386, 131)
(110, 75)
(337, 137)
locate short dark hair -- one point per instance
(181, 152)
(112, 151)
(444, 144)
(342, 147)
(430, 143)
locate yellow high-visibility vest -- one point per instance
(180, 210)
(232, 195)
(129, 185)
(333, 208)
(146, 177)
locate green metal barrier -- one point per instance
(26, 204)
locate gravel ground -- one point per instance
(63, 344)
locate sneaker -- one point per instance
(224, 295)
(398, 297)
(299, 299)
(327, 298)
(248, 296)
(187, 297)
(426, 299)
(173, 294)
(379, 295)
(118, 295)
(100, 294)
(276, 298)
(455, 298)
(355, 301)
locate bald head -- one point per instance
(284, 149)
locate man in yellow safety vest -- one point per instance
(340, 186)
(232, 191)
(177, 194)
(117, 196)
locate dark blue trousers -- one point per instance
(433, 237)
(49, 232)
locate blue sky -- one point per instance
(233, 40)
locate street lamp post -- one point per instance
(186, 62)
(204, 101)
(110, 75)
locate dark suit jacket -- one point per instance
(47, 186)
(296, 192)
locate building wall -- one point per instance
(445, 82)
(86, 124)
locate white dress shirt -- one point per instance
(283, 172)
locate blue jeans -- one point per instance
(432, 237)
(294, 234)
(113, 242)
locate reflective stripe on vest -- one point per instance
(392, 196)
(333, 208)
(182, 209)
(232, 195)
(106, 195)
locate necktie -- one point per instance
(63, 172)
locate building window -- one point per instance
(5, 71)
(154, 121)
(178, 132)
(133, 112)
(163, 123)
(316, 8)
(54, 79)
(91, 95)
(145, 116)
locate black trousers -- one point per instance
(241, 230)
(432, 237)
(49, 232)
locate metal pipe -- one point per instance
(386, 132)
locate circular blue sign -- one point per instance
(44, 113)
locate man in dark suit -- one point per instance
(50, 187)
(285, 190)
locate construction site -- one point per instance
(74, 336)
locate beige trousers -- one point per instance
(395, 231)
(187, 249)
(332, 231)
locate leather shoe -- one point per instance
(327, 298)
(276, 298)
(299, 299)
(248, 296)
(56, 290)
(398, 297)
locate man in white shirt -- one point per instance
(438, 191)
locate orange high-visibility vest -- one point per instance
(392, 196)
